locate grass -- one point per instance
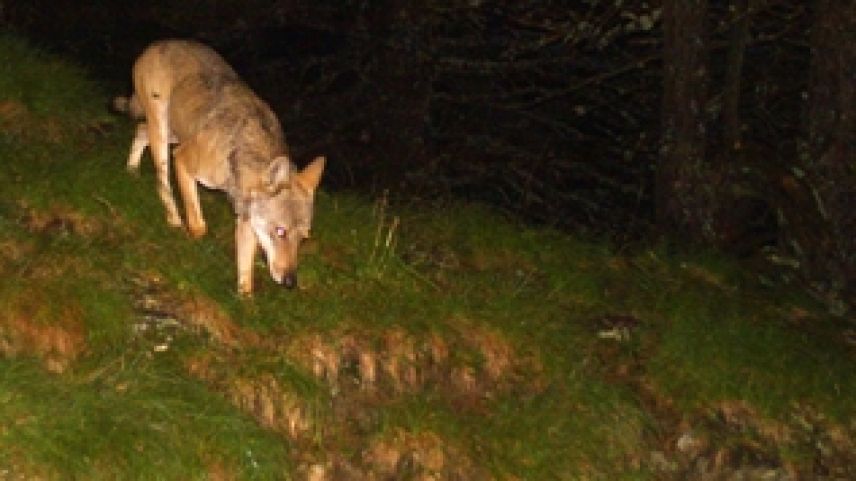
(127, 355)
(114, 427)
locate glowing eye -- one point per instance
(280, 232)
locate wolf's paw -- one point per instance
(133, 170)
(245, 292)
(197, 231)
(174, 221)
(245, 286)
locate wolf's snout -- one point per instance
(290, 280)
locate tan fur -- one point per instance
(228, 139)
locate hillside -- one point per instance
(425, 342)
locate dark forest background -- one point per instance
(716, 123)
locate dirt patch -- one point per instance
(807, 444)
(496, 354)
(18, 120)
(399, 455)
(59, 219)
(357, 371)
(40, 313)
(13, 252)
(407, 455)
(31, 326)
(164, 312)
(17, 467)
(12, 115)
(203, 313)
(467, 364)
(217, 471)
(158, 305)
(730, 440)
(262, 396)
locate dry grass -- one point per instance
(31, 325)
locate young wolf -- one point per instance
(228, 139)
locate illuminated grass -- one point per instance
(201, 395)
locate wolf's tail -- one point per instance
(130, 106)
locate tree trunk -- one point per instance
(827, 252)
(738, 36)
(684, 192)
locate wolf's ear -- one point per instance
(279, 173)
(310, 176)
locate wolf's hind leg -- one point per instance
(185, 162)
(138, 145)
(158, 132)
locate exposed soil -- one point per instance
(358, 371)
(728, 440)
(29, 328)
(18, 120)
(31, 322)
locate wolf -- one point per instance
(227, 139)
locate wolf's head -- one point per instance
(281, 214)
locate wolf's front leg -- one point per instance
(246, 245)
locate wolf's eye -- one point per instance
(280, 231)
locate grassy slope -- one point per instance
(526, 391)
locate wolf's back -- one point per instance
(166, 63)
